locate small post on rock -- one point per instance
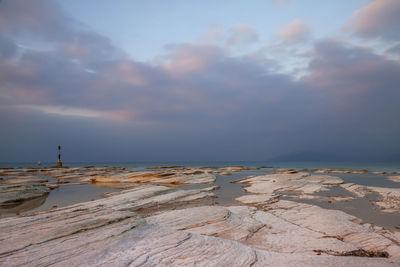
(59, 163)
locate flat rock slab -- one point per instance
(162, 176)
(237, 168)
(340, 225)
(281, 230)
(340, 171)
(112, 232)
(149, 245)
(258, 200)
(21, 232)
(293, 182)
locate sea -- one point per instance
(373, 166)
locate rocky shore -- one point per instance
(156, 221)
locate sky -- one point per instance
(138, 81)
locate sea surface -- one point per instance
(363, 208)
(372, 166)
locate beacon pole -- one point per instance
(59, 163)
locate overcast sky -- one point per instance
(199, 80)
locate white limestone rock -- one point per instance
(300, 182)
(111, 232)
(258, 199)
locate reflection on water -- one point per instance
(23, 206)
(362, 208)
(64, 195)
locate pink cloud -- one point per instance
(130, 73)
(294, 32)
(189, 58)
(380, 18)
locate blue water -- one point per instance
(372, 166)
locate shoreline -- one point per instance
(168, 196)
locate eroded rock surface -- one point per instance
(258, 200)
(159, 225)
(338, 224)
(120, 230)
(116, 176)
(295, 182)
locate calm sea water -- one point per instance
(372, 166)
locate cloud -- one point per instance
(199, 98)
(44, 22)
(380, 18)
(359, 86)
(394, 50)
(65, 111)
(189, 58)
(242, 34)
(294, 32)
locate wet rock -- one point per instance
(358, 190)
(380, 172)
(16, 193)
(388, 198)
(234, 169)
(394, 179)
(24, 180)
(22, 206)
(284, 171)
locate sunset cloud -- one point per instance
(82, 88)
(294, 32)
(380, 18)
